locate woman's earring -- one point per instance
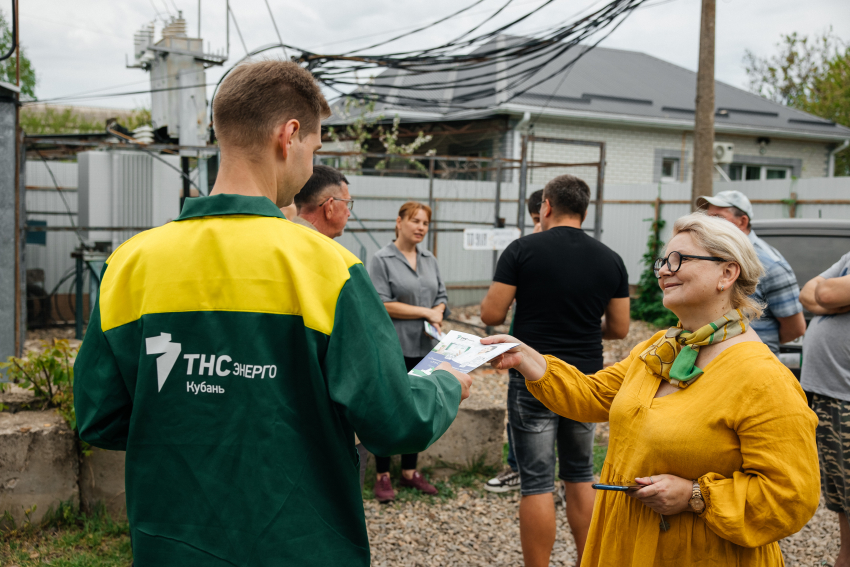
(722, 287)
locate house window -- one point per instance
(669, 169)
(744, 172)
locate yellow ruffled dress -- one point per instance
(743, 429)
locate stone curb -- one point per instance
(40, 464)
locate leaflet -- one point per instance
(463, 351)
(432, 332)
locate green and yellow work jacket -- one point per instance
(233, 354)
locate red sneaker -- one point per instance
(419, 483)
(384, 489)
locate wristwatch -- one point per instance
(696, 503)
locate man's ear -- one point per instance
(286, 135)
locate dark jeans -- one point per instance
(511, 457)
(535, 431)
(408, 462)
(361, 450)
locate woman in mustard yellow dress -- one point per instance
(713, 429)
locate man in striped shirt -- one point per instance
(782, 320)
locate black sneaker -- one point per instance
(505, 482)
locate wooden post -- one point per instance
(792, 205)
(497, 204)
(600, 185)
(523, 176)
(704, 121)
(431, 201)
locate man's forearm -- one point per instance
(791, 327)
(833, 293)
(808, 299)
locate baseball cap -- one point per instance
(728, 199)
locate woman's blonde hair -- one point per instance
(721, 238)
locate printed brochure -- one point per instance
(463, 351)
(432, 332)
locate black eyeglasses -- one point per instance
(348, 202)
(674, 261)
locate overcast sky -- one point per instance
(81, 46)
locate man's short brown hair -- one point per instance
(257, 97)
(568, 195)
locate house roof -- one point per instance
(608, 85)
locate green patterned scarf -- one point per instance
(673, 356)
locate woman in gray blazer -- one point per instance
(408, 281)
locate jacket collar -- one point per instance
(228, 204)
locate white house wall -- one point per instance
(631, 152)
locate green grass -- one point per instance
(599, 452)
(66, 538)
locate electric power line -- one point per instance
(236, 25)
(277, 31)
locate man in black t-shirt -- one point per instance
(564, 282)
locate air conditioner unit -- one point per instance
(723, 152)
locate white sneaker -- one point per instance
(505, 482)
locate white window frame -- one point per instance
(675, 177)
(762, 171)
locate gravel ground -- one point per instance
(478, 528)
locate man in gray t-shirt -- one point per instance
(826, 375)
(826, 349)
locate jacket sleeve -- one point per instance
(391, 412)
(777, 490)
(101, 399)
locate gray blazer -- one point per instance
(395, 280)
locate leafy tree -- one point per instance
(362, 127)
(7, 67)
(811, 74)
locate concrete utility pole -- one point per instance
(704, 125)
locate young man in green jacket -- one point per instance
(233, 354)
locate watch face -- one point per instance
(697, 505)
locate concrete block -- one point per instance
(476, 432)
(18, 399)
(102, 481)
(38, 463)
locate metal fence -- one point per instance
(463, 193)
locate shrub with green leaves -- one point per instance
(49, 374)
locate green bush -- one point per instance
(649, 305)
(49, 374)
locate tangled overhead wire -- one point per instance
(461, 72)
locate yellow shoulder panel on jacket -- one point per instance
(227, 263)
